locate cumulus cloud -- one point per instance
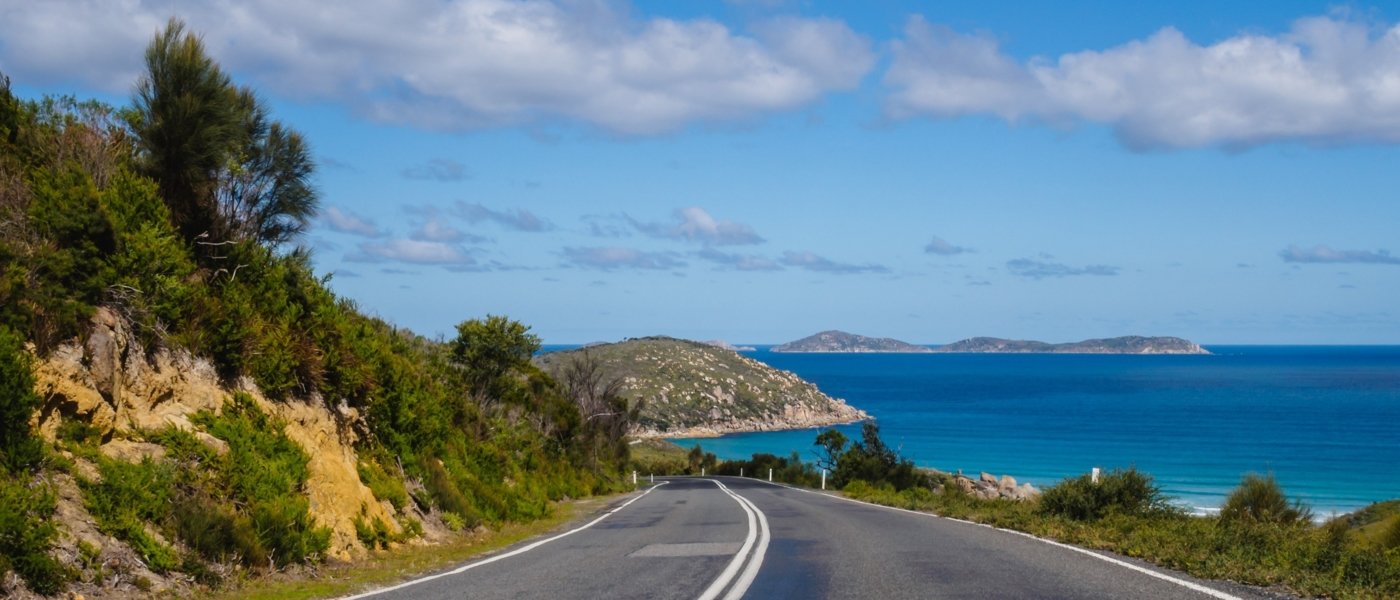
(1325, 80)
(445, 170)
(813, 262)
(738, 262)
(1325, 254)
(461, 64)
(518, 219)
(612, 257)
(693, 224)
(1036, 269)
(434, 230)
(344, 221)
(417, 252)
(941, 247)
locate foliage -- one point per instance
(19, 449)
(1120, 491)
(27, 534)
(128, 496)
(490, 349)
(1259, 499)
(871, 461)
(790, 469)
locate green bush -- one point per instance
(1391, 538)
(1259, 499)
(27, 534)
(381, 483)
(129, 496)
(1118, 492)
(19, 449)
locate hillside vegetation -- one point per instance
(680, 388)
(209, 404)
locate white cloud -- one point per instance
(344, 221)
(609, 258)
(438, 169)
(414, 252)
(941, 247)
(518, 219)
(1326, 254)
(1326, 80)
(693, 224)
(821, 264)
(434, 230)
(460, 64)
(739, 262)
(1038, 269)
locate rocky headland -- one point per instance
(1132, 344)
(694, 389)
(842, 342)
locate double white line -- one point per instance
(755, 546)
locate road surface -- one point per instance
(728, 537)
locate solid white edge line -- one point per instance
(1209, 591)
(756, 561)
(492, 559)
(732, 568)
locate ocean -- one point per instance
(1324, 420)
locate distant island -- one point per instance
(729, 346)
(1132, 344)
(697, 389)
(840, 341)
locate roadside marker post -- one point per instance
(634, 478)
(823, 480)
(741, 471)
(651, 478)
(1094, 475)
(770, 474)
(702, 471)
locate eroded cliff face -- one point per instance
(111, 383)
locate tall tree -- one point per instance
(186, 123)
(226, 170)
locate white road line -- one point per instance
(1212, 592)
(515, 552)
(732, 568)
(756, 561)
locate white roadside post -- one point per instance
(823, 479)
(741, 471)
(770, 474)
(651, 478)
(702, 471)
(634, 478)
(1094, 475)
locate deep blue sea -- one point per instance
(1324, 420)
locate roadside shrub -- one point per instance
(266, 471)
(1127, 492)
(26, 534)
(1391, 537)
(446, 495)
(381, 483)
(19, 449)
(1259, 499)
(129, 496)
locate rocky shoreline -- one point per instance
(711, 430)
(991, 487)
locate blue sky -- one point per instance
(758, 171)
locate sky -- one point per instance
(757, 171)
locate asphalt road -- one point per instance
(724, 537)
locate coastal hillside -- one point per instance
(185, 404)
(840, 342)
(1132, 344)
(684, 389)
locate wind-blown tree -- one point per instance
(226, 170)
(186, 122)
(265, 192)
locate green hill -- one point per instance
(686, 388)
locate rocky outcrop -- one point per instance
(109, 382)
(990, 487)
(692, 389)
(841, 342)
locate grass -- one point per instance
(1329, 560)
(392, 566)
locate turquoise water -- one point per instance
(1324, 420)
